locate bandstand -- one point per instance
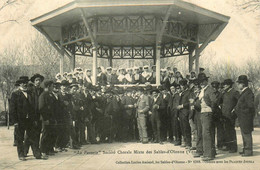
(130, 29)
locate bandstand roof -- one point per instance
(131, 22)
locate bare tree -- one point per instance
(43, 57)
(10, 70)
(5, 4)
(252, 69)
(250, 5)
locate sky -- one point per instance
(239, 41)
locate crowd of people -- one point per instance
(136, 75)
(187, 111)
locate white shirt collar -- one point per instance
(56, 95)
(205, 87)
(25, 94)
(244, 89)
(229, 89)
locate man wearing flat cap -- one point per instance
(201, 70)
(228, 101)
(22, 108)
(142, 108)
(206, 118)
(245, 111)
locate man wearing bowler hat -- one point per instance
(245, 111)
(127, 117)
(13, 96)
(228, 102)
(65, 111)
(47, 109)
(22, 108)
(174, 103)
(183, 108)
(216, 96)
(36, 90)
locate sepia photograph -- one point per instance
(130, 84)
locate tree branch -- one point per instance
(7, 3)
(10, 20)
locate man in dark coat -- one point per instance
(166, 129)
(13, 96)
(110, 114)
(77, 116)
(36, 90)
(196, 107)
(63, 122)
(47, 110)
(217, 114)
(128, 112)
(101, 77)
(245, 111)
(158, 107)
(228, 102)
(174, 103)
(183, 108)
(25, 119)
(137, 77)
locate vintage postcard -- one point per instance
(129, 84)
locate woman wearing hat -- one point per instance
(245, 111)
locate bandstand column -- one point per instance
(190, 61)
(197, 57)
(73, 60)
(110, 57)
(158, 65)
(62, 60)
(197, 63)
(94, 68)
